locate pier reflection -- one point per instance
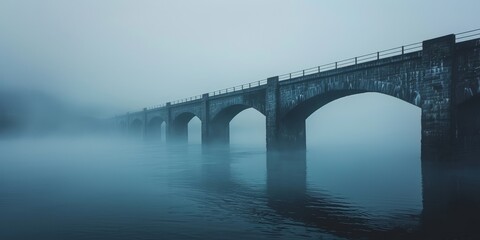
(289, 195)
(451, 200)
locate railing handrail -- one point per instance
(467, 35)
(397, 51)
(356, 60)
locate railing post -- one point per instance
(355, 60)
(378, 55)
(205, 118)
(290, 75)
(249, 85)
(336, 64)
(318, 68)
(403, 50)
(303, 72)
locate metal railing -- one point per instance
(354, 61)
(468, 35)
(215, 93)
(156, 106)
(414, 47)
(188, 99)
(238, 88)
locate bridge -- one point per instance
(441, 76)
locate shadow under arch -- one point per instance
(468, 125)
(154, 128)
(292, 130)
(219, 130)
(179, 128)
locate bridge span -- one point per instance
(441, 76)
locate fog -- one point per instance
(79, 61)
(121, 56)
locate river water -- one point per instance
(109, 188)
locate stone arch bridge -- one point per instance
(441, 76)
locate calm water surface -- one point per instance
(124, 189)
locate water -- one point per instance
(84, 188)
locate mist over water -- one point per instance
(100, 188)
(349, 184)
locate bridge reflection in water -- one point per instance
(451, 200)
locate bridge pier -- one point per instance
(291, 135)
(214, 132)
(272, 111)
(205, 117)
(282, 134)
(170, 136)
(436, 97)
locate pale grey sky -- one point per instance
(129, 54)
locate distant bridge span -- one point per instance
(441, 76)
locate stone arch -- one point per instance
(314, 95)
(219, 130)
(304, 108)
(154, 128)
(292, 119)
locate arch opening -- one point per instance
(367, 141)
(367, 120)
(154, 129)
(247, 128)
(195, 131)
(180, 127)
(292, 131)
(220, 126)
